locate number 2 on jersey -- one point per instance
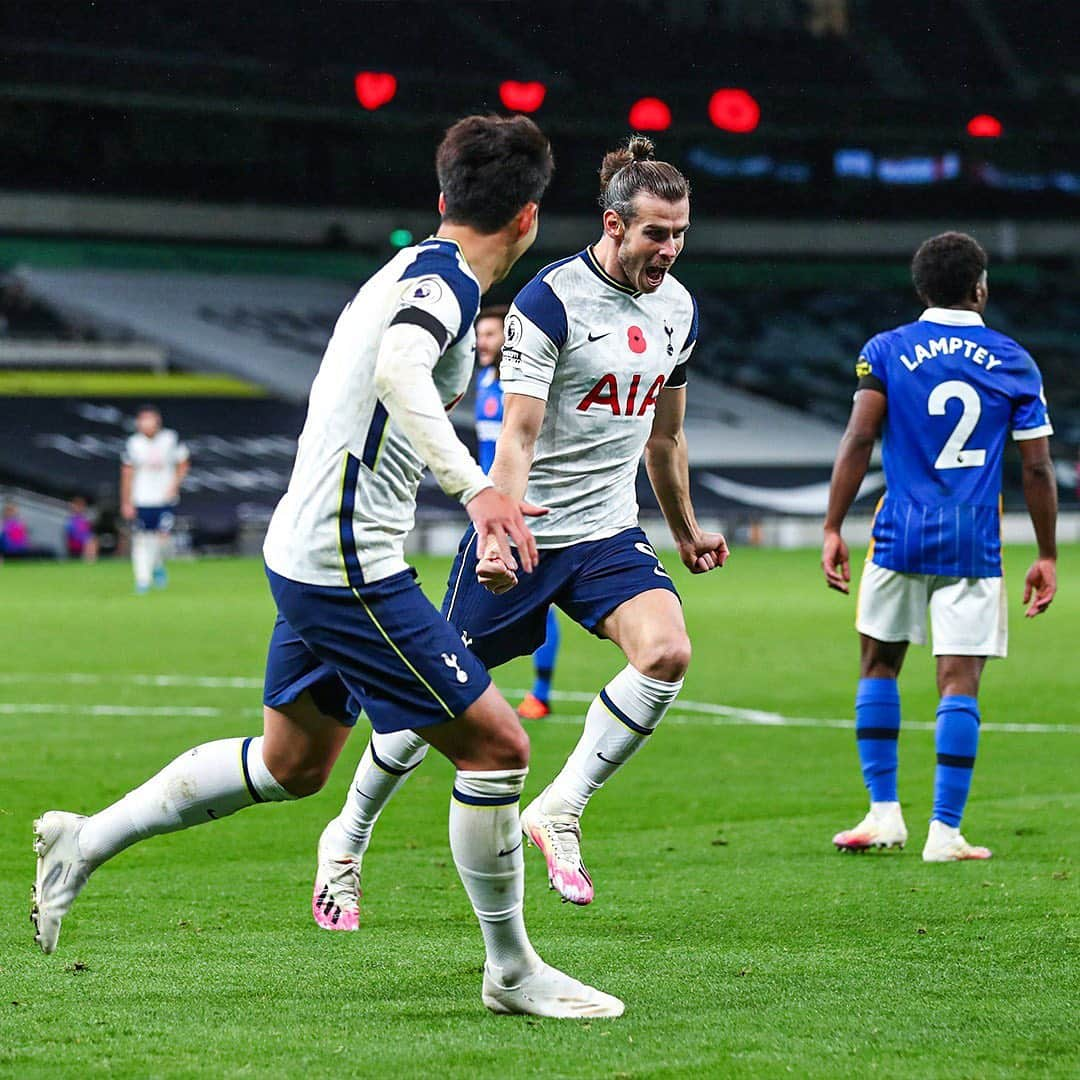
(953, 454)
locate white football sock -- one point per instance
(384, 767)
(621, 717)
(160, 550)
(485, 838)
(210, 782)
(143, 556)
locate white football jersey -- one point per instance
(154, 462)
(599, 354)
(352, 494)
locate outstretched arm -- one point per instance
(1040, 494)
(182, 469)
(668, 465)
(849, 471)
(127, 476)
(406, 387)
(522, 419)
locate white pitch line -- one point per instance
(49, 709)
(688, 712)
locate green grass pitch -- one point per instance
(743, 944)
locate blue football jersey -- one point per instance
(956, 389)
(489, 414)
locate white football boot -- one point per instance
(61, 873)
(335, 903)
(549, 992)
(946, 844)
(883, 827)
(558, 836)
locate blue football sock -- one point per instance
(544, 658)
(877, 729)
(957, 741)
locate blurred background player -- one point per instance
(943, 393)
(594, 369)
(353, 629)
(15, 540)
(489, 414)
(79, 536)
(154, 465)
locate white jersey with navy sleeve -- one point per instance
(598, 353)
(153, 460)
(352, 495)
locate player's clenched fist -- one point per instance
(494, 574)
(709, 551)
(500, 521)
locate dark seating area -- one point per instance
(799, 346)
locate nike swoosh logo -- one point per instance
(598, 336)
(511, 851)
(607, 759)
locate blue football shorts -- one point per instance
(154, 518)
(588, 581)
(383, 648)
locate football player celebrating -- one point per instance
(943, 393)
(353, 629)
(594, 372)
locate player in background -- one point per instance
(594, 373)
(489, 413)
(943, 393)
(154, 465)
(353, 629)
(79, 536)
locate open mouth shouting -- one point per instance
(654, 276)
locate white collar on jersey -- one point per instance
(951, 317)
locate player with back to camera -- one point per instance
(353, 629)
(489, 413)
(594, 372)
(154, 465)
(943, 393)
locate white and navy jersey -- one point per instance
(352, 495)
(153, 460)
(599, 353)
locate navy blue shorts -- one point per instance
(588, 581)
(382, 648)
(154, 518)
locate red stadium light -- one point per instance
(375, 88)
(650, 114)
(522, 96)
(734, 110)
(984, 126)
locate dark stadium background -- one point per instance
(180, 147)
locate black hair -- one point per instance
(946, 269)
(493, 311)
(633, 168)
(489, 167)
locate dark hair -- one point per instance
(493, 311)
(946, 269)
(632, 168)
(489, 167)
(147, 408)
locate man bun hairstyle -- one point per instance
(946, 269)
(632, 168)
(489, 167)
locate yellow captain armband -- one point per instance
(862, 368)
